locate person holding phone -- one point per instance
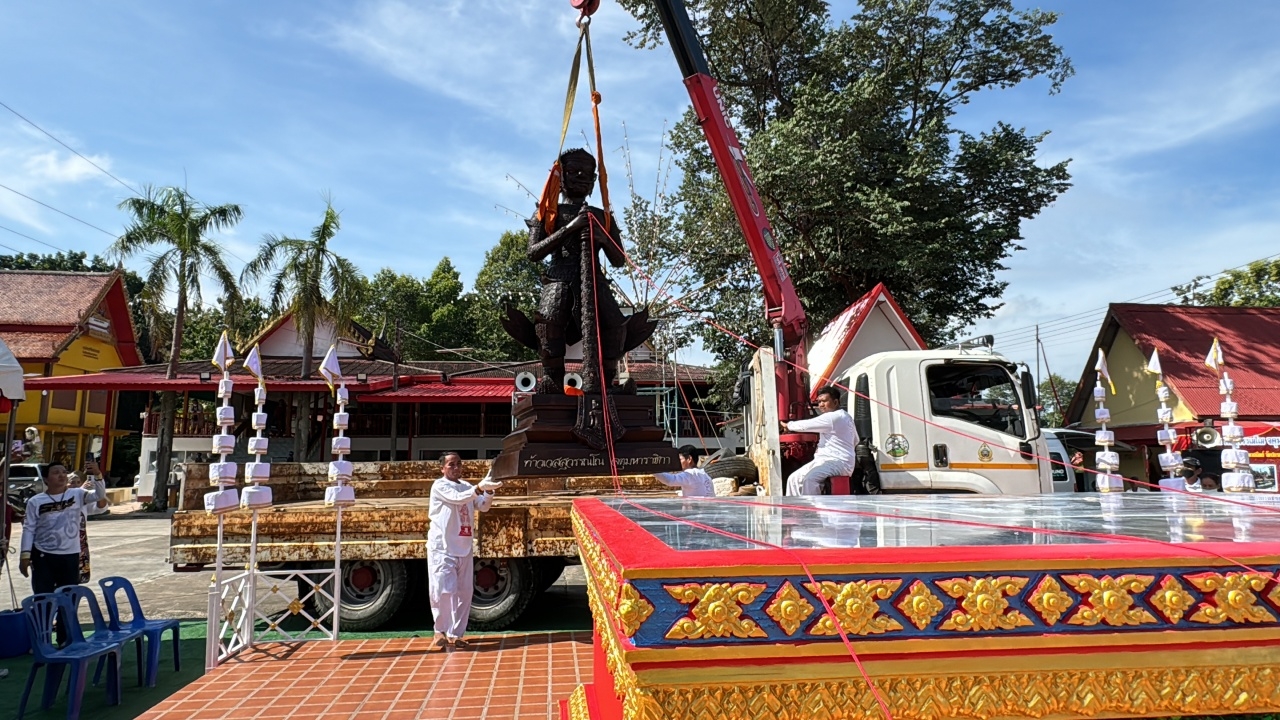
(52, 529)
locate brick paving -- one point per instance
(499, 677)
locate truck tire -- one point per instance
(504, 588)
(372, 593)
(736, 466)
(549, 570)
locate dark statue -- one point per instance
(578, 303)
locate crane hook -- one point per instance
(586, 7)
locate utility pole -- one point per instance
(395, 385)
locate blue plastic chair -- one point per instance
(153, 629)
(102, 633)
(41, 611)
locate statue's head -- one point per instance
(577, 173)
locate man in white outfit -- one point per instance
(451, 572)
(692, 480)
(836, 441)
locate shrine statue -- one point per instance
(577, 301)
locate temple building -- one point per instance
(59, 325)
(1250, 341)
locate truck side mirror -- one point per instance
(1029, 400)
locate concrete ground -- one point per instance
(134, 544)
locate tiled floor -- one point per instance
(501, 676)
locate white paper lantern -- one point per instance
(222, 501)
(1238, 481)
(1235, 458)
(1167, 437)
(1232, 434)
(224, 444)
(258, 445)
(339, 496)
(1105, 438)
(225, 387)
(259, 421)
(1106, 459)
(341, 420)
(341, 445)
(226, 416)
(1230, 409)
(1109, 482)
(1171, 461)
(1102, 415)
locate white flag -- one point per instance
(253, 363)
(1153, 365)
(224, 356)
(1101, 367)
(1214, 361)
(330, 368)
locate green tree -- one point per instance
(851, 138)
(1258, 285)
(176, 227)
(448, 313)
(1055, 393)
(205, 325)
(508, 275)
(311, 282)
(393, 304)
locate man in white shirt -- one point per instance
(692, 480)
(450, 568)
(51, 529)
(836, 441)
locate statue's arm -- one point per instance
(541, 244)
(613, 244)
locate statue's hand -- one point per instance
(579, 221)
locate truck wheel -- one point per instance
(736, 466)
(372, 592)
(504, 588)
(549, 570)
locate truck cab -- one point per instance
(959, 420)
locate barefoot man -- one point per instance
(451, 572)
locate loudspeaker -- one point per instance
(1207, 437)
(526, 382)
(573, 380)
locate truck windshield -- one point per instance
(23, 471)
(981, 394)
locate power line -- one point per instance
(1165, 292)
(15, 232)
(73, 150)
(60, 212)
(6, 247)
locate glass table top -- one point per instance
(953, 520)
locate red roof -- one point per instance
(1183, 334)
(458, 390)
(41, 312)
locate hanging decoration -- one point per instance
(257, 495)
(1106, 459)
(222, 474)
(1237, 475)
(338, 494)
(1170, 459)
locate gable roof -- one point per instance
(1250, 338)
(363, 340)
(42, 311)
(829, 350)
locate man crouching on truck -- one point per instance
(450, 569)
(837, 439)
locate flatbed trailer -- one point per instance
(522, 544)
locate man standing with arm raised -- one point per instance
(51, 529)
(450, 568)
(837, 439)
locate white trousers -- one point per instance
(807, 480)
(452, 580)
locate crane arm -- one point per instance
(783, 310)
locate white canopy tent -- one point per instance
(10, 375)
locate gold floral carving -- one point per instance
(295, 606)
(633, 609)
(856, 605)
(1057, 694)
(788, 608)
(1234, 597)
(599, 569)
(1172, 599)
(1050, 600)
(920, 605)
(716, 611)
(1274, 595)
(578, 709)
(982, 603)
(1110, 600)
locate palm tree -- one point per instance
(175, 226)
(311, 282)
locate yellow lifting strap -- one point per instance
(548, 204)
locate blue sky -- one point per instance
(412, 116)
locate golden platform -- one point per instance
(1082, 605)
